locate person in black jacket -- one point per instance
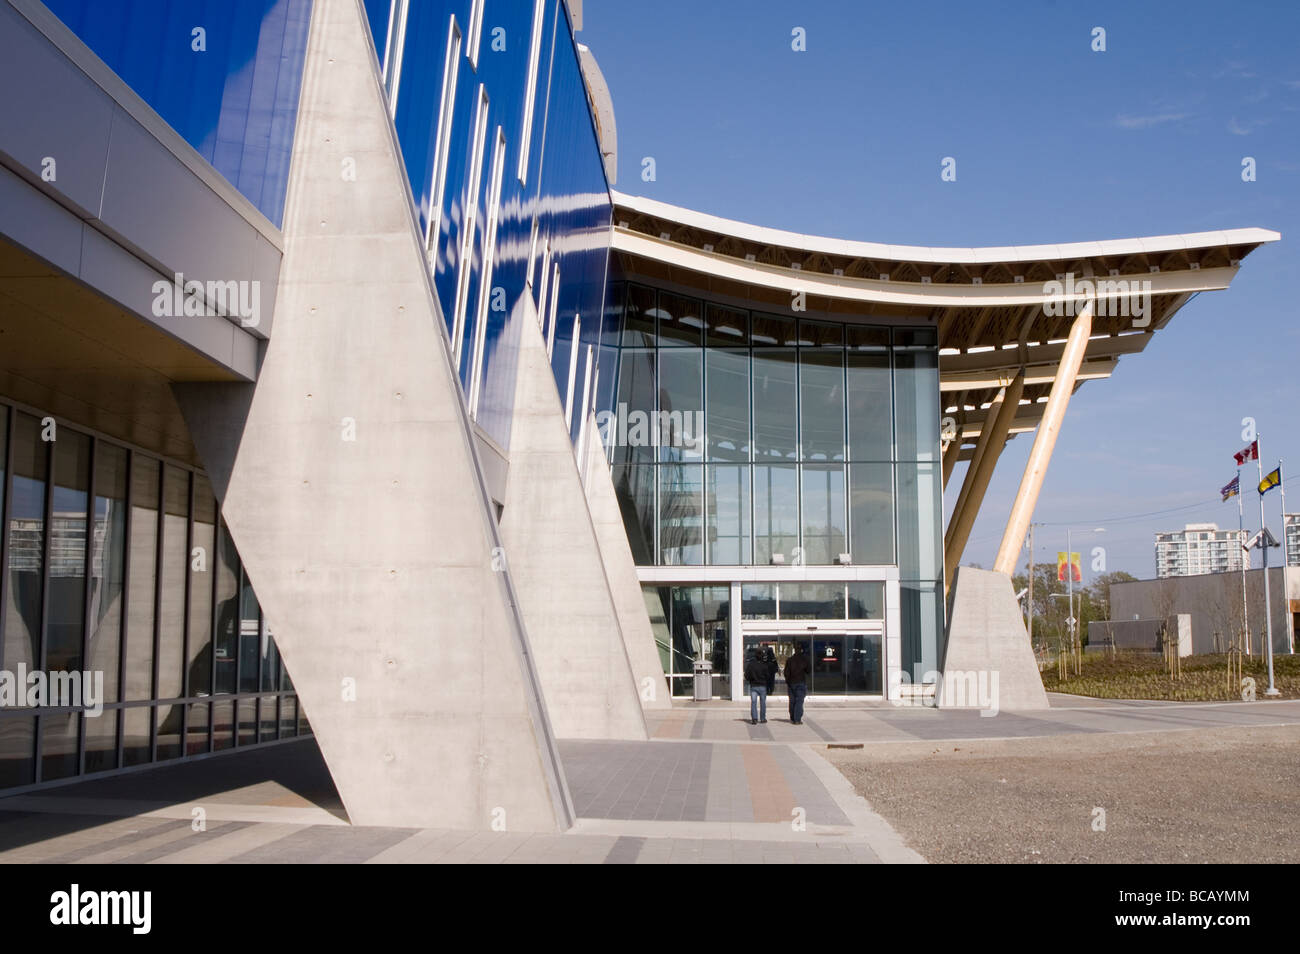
(756, 675)
(796, 682)
(769, 657)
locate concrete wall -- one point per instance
(1213, 601)
(357, 503)
(556, 562)
(986, 635)
(620, 572)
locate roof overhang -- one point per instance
(997, 310)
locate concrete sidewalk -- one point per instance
(709, 788)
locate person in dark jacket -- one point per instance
(769, 657)
(756, 676)
(796, 682)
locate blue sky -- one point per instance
(1054, 143)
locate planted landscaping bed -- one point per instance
(1131, 675)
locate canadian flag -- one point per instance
(1250, 453)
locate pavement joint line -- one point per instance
(131, 808)
(880, 836)
(738, 832)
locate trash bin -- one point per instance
(703, 680)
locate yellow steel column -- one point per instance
(993, 437)
(1044, 441)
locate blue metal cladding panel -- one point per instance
(235, 100)
(565, 188)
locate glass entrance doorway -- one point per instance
(840, 663)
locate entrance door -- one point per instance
(839, 663)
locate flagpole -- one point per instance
(1286, 560)
(1268, 608)
(1245, 558)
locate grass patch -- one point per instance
(1144, 676)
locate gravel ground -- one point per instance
(1215, 795)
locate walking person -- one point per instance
(796, 682)
(756, 675)
(769, 657)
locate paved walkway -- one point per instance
(708, 788)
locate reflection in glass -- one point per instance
(137, 726)
(639, 319)
(776, 511)
(268, 720)
(288, 717)
(250, 640)
(862, 667)
(680, 422)
(247, 709)
(867, 600)
(680, 320)
(828, 665)
(631, 433)
(657, 608)
(145, 482)
(634, 486)
(812, 601)
(776, 405)
(67, 600)
(202, 565)
(681, 514)
(17, 742)
(59, 731)
(101, 740)
(871, 514)
(758, 601)
(726, 326)
(920, 534)
(196, 729)
(727, 501)
(921, 612)
(773, 331)
(227, 635)
(170, 724)
(727, 406)
(871, 420)
(22, 628)
(824, 537)
(223, 725)
(916, 388)
(699, 628)
(107, 573)
(171, 629)
(821, 334)
(821, 404)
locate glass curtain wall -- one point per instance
(118, 578)
(739, 437)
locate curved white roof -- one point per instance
(938, 255)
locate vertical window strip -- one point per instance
(573, 369)
(475, 32)
(546, 284)
(442, 148)
(393, 56)
(582, 416)
(532, 257)
(555, 304)
(471, 214)
(530, 91)
(489, 260)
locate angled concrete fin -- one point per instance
(356, 501)
(986, 635)
(620, 573)
(557, 566)
(215, 413)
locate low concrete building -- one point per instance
(1146, 635)
(1214, 603)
